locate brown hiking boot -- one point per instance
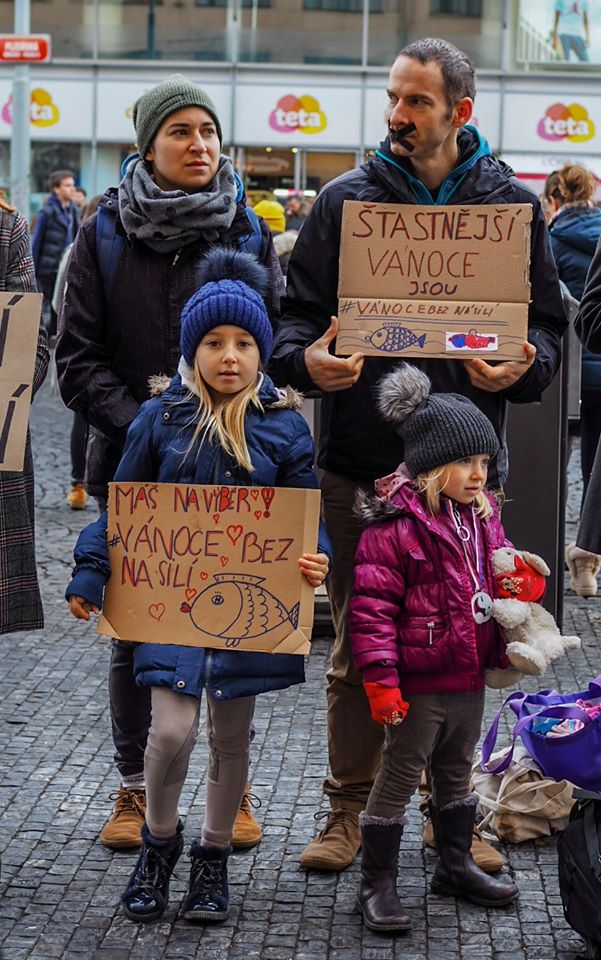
(247, 831)
(123, 828)
(336, 846)
(583, 567)
(483, 854)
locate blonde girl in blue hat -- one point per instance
(220, 421)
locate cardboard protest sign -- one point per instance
(19, 326)
(210, 566)
(429, 281)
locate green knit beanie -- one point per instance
(157, 104)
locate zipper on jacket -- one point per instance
(176, 257)
(431, 626)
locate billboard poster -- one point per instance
(565, 32)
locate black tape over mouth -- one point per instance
(399, 136)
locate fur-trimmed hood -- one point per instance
(375, 508)
(276, 398)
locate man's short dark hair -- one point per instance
(57, 176)
(457, 70)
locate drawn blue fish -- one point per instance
(394, 338)
(236, 607)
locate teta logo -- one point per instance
(297, 114)
(570, 122)
(42, 112)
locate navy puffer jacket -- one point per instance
(55, 227)
(281, 450)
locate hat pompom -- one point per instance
(227, 263)
(401, 391)
(231, 285)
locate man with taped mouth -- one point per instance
(431, 156)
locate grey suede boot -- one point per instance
(377, 899)
(456, 874)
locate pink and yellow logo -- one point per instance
(42, 113)
(570, 122)
(297, 114)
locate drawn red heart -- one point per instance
(224, 561)
(234, 532)
(258, 514)
(216, 518)
(190, 594)
(156, 610)
(203, 575)
(255, 494)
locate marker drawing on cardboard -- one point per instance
(210, 566)
(19, 326)
(249, 611)
(434, 281)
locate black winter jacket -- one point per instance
(354, 441)
(55, 227)
(106, 353)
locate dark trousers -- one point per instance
(130, 710)
(440, 733)
(354, 739)
(79, 435)
(590, 431)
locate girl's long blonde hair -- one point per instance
(223, 421)
(432, 484)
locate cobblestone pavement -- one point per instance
(61, 887)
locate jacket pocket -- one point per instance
(422, 631)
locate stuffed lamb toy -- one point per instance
(533, 637)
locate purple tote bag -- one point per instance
(576, 757)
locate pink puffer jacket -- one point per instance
(411, 622)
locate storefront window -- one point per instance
(264, 169)
(322, 167)
(301, 31)
(70, 24)
(164, 30)
(46, 157)
(474, 26)
(558, 33)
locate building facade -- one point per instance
(299, 85)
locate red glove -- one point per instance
(386, 703)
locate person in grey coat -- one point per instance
(20, 602)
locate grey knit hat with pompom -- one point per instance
(436, 428)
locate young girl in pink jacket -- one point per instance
(420, 620)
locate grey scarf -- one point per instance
(166, 220)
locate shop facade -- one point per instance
(302, 124)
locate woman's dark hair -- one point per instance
(457, 70)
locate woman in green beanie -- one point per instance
(133, 267)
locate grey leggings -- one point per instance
(171, 738)
(440, 732)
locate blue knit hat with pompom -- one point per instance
(230, 292)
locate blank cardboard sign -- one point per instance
(19, 327)
(430, 281)
(210, 566)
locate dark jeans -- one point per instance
(354, 739)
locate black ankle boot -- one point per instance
(147, 893)
(456, 874)
(208, 896)
(377, 900)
